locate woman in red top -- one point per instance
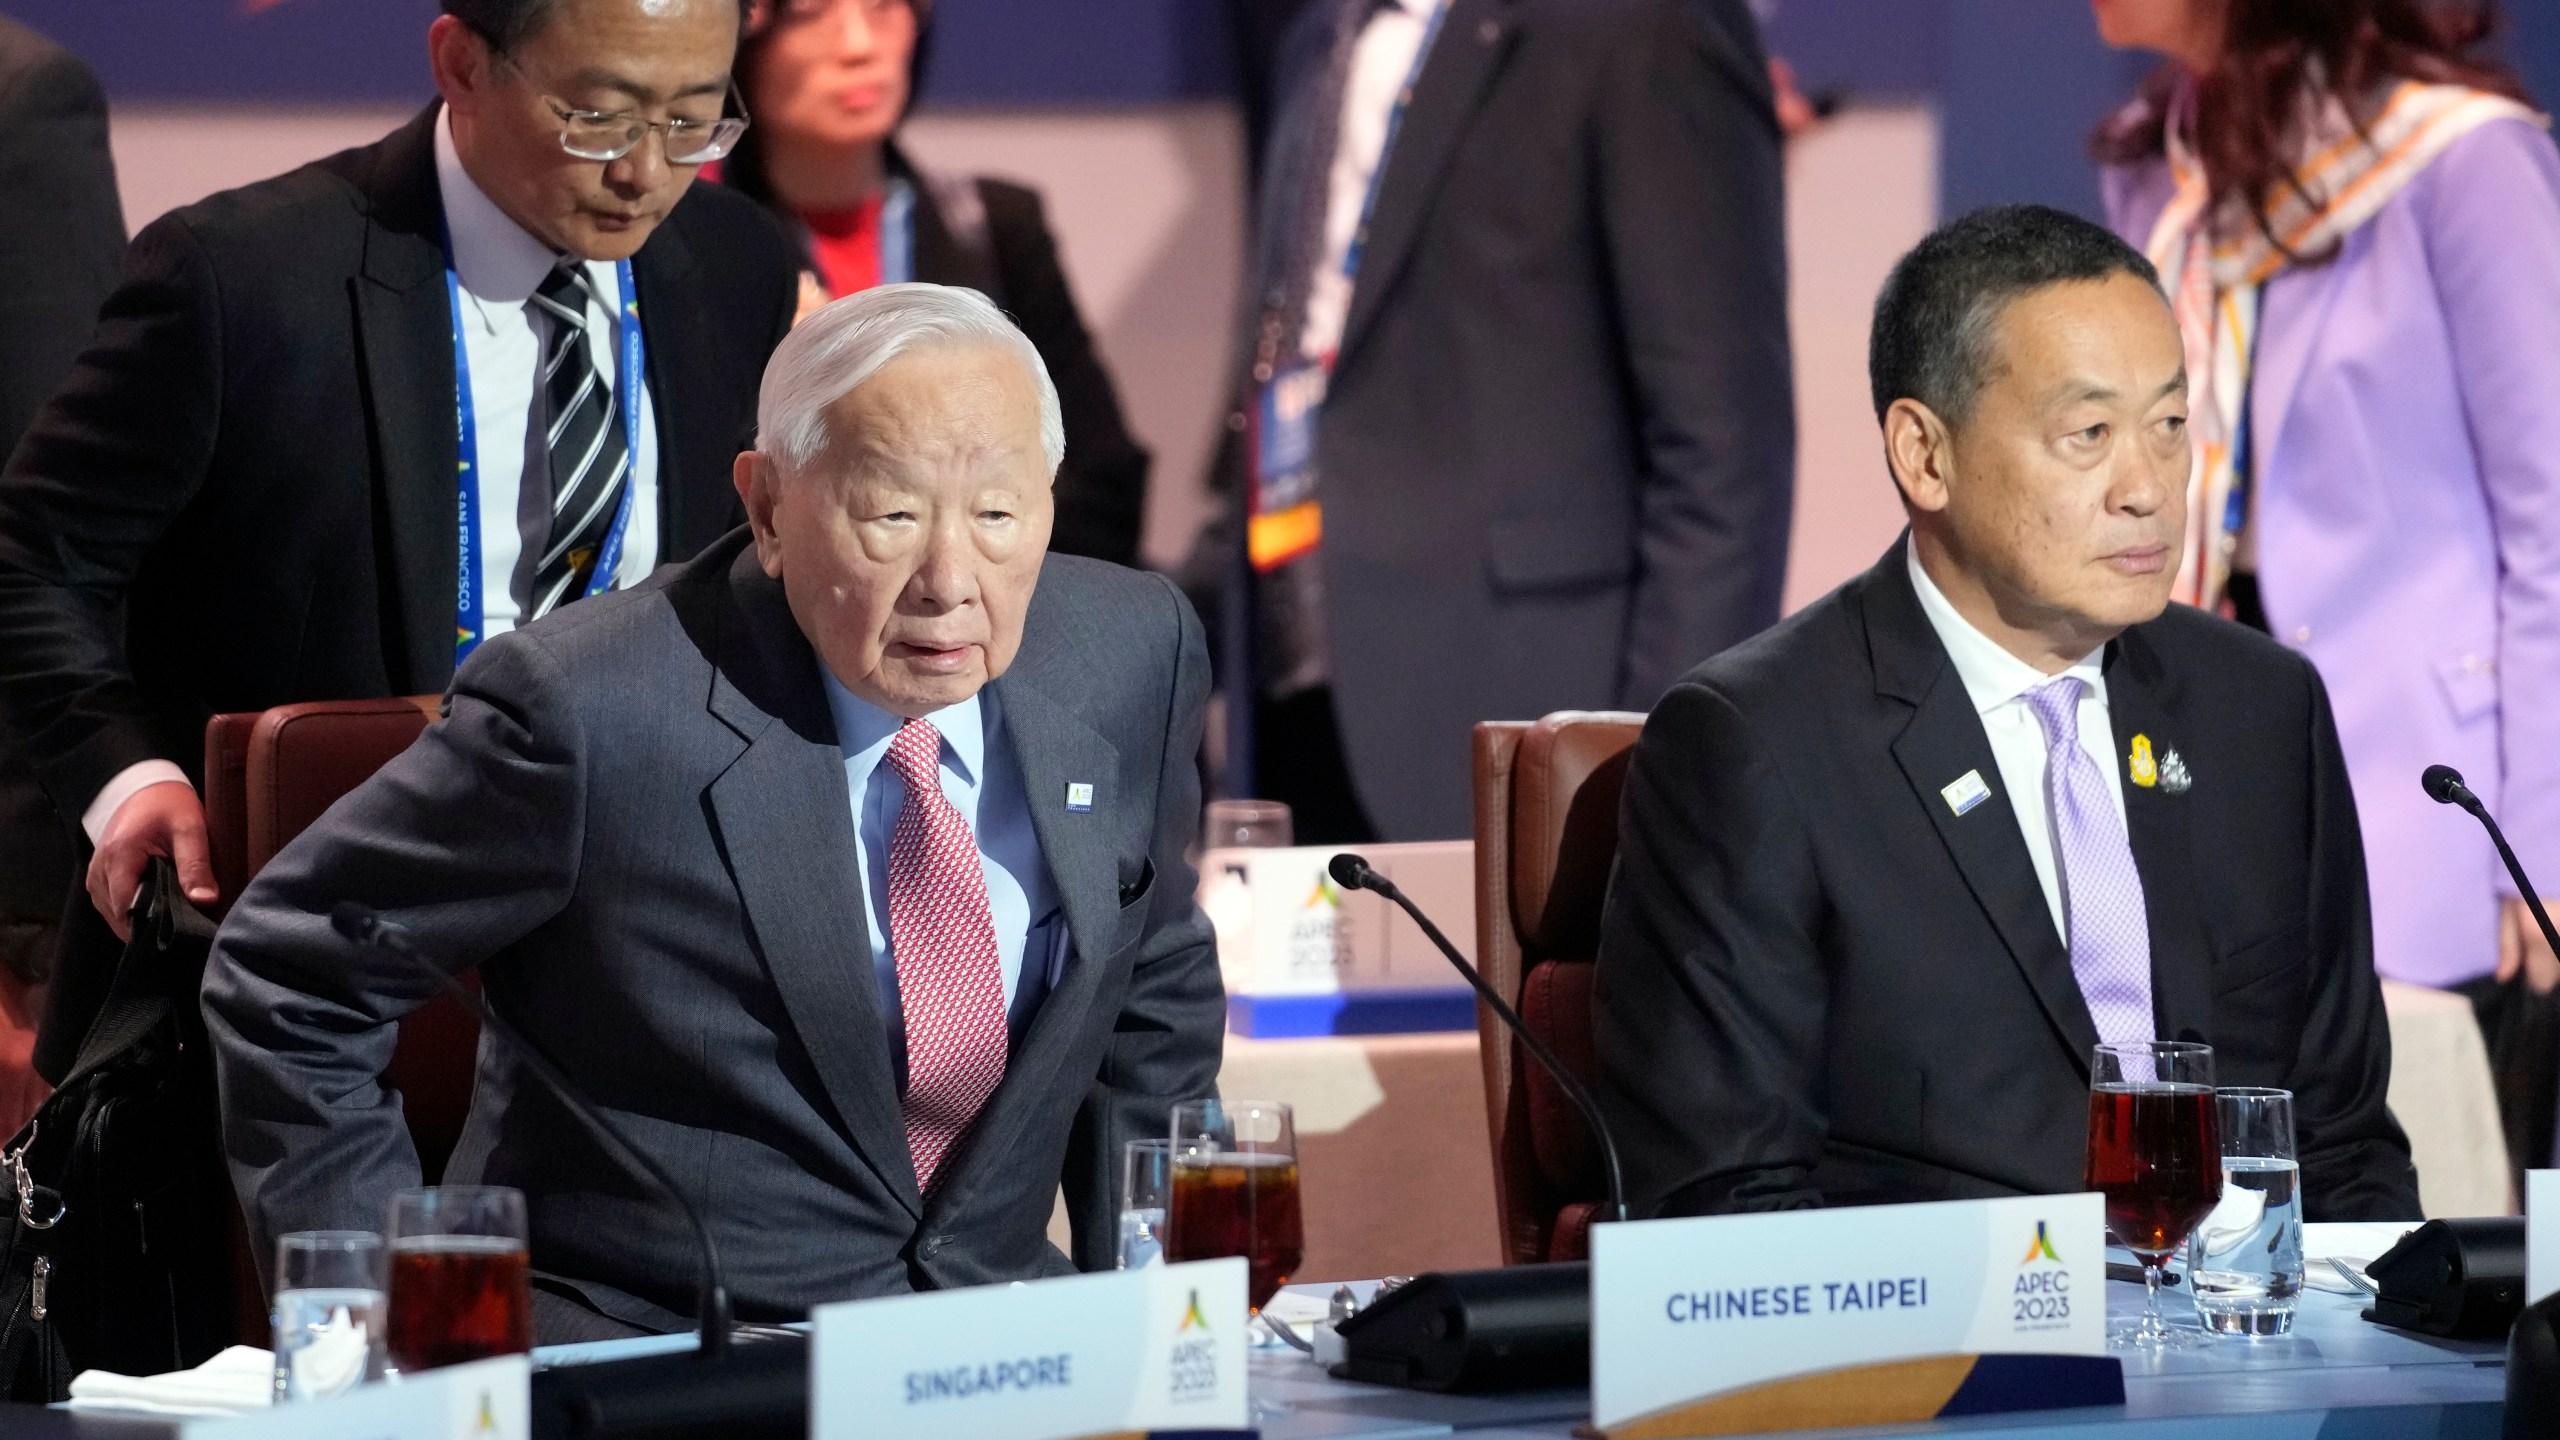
(828, 82)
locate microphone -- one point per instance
(1354, 873)
(2444, 786)
(762, 1390)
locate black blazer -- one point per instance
(993, 237)
(1557, 455)
(1819, 985)
(255, 460)
(256, 455)
(61, 236)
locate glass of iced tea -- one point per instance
(1235, 1190)
(2155, 1153)
(460, 1278)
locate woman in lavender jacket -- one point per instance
(2360, 227)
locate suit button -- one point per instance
(931, 1247)
(2301, 634)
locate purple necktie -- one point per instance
(2110, 935)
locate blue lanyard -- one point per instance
(1387, 147)
(898, 234)
(469, 612)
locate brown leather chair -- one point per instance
(268, 775)
(1546, 832)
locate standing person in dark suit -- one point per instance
(1888, 874)
(1515, 432)
(663, 825)
(259, 458)
(828, 81)
(61, 234)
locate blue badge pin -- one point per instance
(1079, 796)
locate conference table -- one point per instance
(2335, 1376)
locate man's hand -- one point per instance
(163, 819)
(2521, 946)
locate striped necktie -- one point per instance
(590, 465)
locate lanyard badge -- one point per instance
(470, 612)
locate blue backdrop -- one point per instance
(2017, 83)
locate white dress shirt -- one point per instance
(984, 783)
(1998, 682)
(1380, 60)
(499, 265)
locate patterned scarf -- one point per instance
(2215, 267)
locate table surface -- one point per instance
(2390, 1381)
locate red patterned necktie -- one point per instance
(944, 939)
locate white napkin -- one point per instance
(2354, 1244)
(239, 1379)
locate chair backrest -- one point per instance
(268, 776)
(1546, 796)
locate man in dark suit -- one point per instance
(260, 455)
(1889, 873)
(61, 234)
(1516, 430)
(663, 824)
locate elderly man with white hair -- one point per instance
(842, 867)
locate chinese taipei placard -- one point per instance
(1161, 1348)
(1730, 1324)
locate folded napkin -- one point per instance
(239, 1379)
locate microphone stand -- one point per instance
(2444, 786)
(1356, 873)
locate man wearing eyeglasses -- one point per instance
(340, 426)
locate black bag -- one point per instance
(117, 1210)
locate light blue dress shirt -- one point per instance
(984, 783)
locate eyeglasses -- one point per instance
(612, 134)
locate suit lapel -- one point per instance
(2284, 352)
(786, 824)
(2140, 697)
(1944, 741)
(404, 334)
(1468, 51)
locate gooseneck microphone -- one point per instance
(2444, 786)
(711, 1300)
(1354, 873)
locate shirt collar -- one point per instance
(497, 260)
(863, 730)
(1992, 676)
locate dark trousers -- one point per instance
(2523, 1032)
(1298, 761)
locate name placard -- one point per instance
(1162, 1348)
(484, 1400)
(2541, 1234)
(1730, 1324)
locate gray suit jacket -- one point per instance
(633, 821)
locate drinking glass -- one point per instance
(2155, 1153)
(460, 1281)
(1245, 825)
(328, 1312)
(2244, 1262)
(1146, 1187)
(1235, 1190)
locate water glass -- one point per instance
(1146, 1188)
(1245, 825)
(328, 1313)
(461, 1282)
(2244, 1261)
